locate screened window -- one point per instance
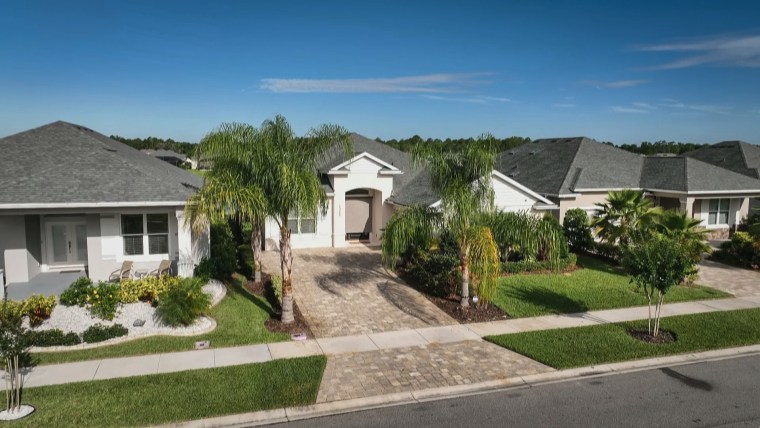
(132, 231)
(141, 231)
(718, 211)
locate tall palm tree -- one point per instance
(684, 230)
(232, 187)
(462, 178)
(625, 214)
(267, 173)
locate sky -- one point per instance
(612, 70)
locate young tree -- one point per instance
(657, 265)
(625, 217)
(14, 347)
(462, 178)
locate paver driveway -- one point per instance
(731, 279)
(346, 291)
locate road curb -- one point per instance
(289, 414)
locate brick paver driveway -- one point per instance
(346, 291)
(737, 281)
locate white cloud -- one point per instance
(736, 51)
(621, 109)
(616, 84)
(475, 99)
(644, 106)
(563, 105)
(428, 83)
(701, 108)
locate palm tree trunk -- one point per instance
(256, 247)
(465, 260)
(286, 265)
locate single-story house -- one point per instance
(168, 156)
(73, 199)
(547, 175)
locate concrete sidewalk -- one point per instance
(222, 357)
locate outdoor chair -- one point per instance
(125, 272)
(165, 268)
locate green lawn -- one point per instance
(199, 172)
(596, 286)
(240, 318)
(583, 346)
(164, 398)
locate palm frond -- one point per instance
(411, 226)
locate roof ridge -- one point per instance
(686, 172)
(744, 155)
(570, 165)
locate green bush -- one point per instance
(577, 228)
(76, 294)
(38, 308)
(145, 289)
(741, 250)
(436, 272)
(608, 251)
(529, 265)
(104, 300)
(222, 262)
(44, 338)
(99, 333)
(184, 303)
(277, 287)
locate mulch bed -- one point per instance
(273, 324)
(473, 313)
(664, 336)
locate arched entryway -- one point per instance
(359, 214)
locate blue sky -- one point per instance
(611, 70)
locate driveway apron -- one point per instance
(346, 291)
(731, 279)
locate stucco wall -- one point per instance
(13, 248)
(585, 201)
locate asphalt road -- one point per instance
(708, 394)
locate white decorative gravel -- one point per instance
(77, 319)
(22, 412)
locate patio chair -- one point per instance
(164, 268)
(125, 272)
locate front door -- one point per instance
(66, 243)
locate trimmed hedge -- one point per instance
(99, 333)
(57, 337)
(526, 265)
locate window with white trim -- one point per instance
(718, 211)
(136, 240)
(302, 225)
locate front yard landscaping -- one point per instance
(583, 346)
(596, 285)
(173, 397)
(240, 319)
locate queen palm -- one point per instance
(462, 178)
(626, 214)
(281, 167)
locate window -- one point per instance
(302, 224)
(133, 230)
(718, 211)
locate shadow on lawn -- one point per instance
(236, 291)
(547, 300)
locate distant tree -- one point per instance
(660, 147)
(153, 143)
(449, 144)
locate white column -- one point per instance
(185, 260)
(339, 218)
(377, 216)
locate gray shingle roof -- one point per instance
(737, 156)
(556, 166)
(66, 163)
(164, 154)
(686, 174)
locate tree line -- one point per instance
(154, 143)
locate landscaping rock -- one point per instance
(138, 323)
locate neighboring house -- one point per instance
(168, 156)
(548, 175)
(71, 198)
(737, 156)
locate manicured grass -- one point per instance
(596, 285)
(198, 172)
(240, 318)
(157, 399)
(583, 346)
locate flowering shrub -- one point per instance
(76, 294)
(103, 300)
(146, 289)
(38, 308)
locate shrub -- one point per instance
(741, 250)
(99, 333)
(104, 300)
(608, 251)
(223, 254)
(76, 294)
(55, 337)
(530, 265)
(38, 308)
(184, 303)
(277, 287)
(145, 289)
(577, 230)
(436, 272)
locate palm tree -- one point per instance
(267, 173)
(462, 178)
(684, 230)
(232, 188)
(625, 215)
